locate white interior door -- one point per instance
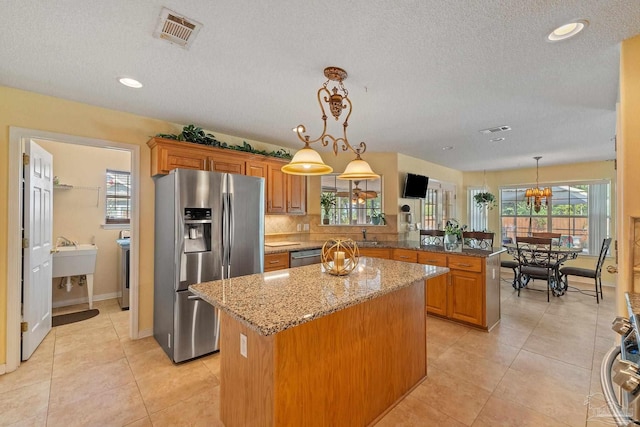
(38, 225)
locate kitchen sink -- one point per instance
(74, 260)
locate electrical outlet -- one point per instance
(306, 227)
(299, 227)
(243, 345)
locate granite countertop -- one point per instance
(409, 244)
(272, 302)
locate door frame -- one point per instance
(14, 234)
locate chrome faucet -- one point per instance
(63, 241)
(364, 234)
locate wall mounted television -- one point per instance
(415, 186)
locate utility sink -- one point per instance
(74, 260)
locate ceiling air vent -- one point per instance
(495, 129)
(177, 29)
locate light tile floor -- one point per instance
(538, 367)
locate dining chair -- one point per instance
(554, 236)
(432, 237)
(595, 274)
(547, 235)
(534, 263)
(477, 240)
(510, 263)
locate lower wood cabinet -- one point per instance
(383, 253)
(276, 261)
(406, 255)
(470, 293)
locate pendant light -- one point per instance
(307, 161)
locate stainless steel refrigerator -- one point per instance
(208, 226)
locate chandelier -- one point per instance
(537, 193)
(307, 161)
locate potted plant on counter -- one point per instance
(453, 235)
(327, 201)
(378, 218)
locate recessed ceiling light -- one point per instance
(496, 139)
(447, 148)
(129, 82)
(567, 30)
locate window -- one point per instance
(578, 211)
(118, 197)
(356, 202)
(439, 205)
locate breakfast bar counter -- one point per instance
(303, 347)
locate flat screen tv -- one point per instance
(415, 186)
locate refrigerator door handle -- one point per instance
(232, 224)
(224, 237)
(193, 325)
(194, 298)
(217, 328)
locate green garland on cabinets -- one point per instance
(196, 135)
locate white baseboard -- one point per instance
(101, 297)
(145, 333)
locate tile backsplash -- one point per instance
(292, 227)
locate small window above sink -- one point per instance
(351, 202)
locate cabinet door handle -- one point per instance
(274, 262)
(460, 264)
(404, 257)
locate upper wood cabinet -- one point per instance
(166, 156)
(285, 194)
(228, 164)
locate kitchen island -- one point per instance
(303, 347)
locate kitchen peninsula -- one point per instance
(303, 347)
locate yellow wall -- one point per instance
(628, 144)
(79, 213)
(34, 111)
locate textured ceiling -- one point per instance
(422, 74)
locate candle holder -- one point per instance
(339, 257)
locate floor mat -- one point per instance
(64, 319)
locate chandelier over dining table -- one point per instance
(537, 194)
(307, 161)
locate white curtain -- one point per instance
(598, 216)
(477, 216)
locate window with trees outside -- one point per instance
(439, 205)
(351, 202)
(118, 197)
(580, 212)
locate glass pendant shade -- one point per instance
(307, 161)
(358, 169)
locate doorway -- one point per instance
(17, 138)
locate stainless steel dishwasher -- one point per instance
(306, 257)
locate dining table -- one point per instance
(556, 254)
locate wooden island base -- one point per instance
(346, 368)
